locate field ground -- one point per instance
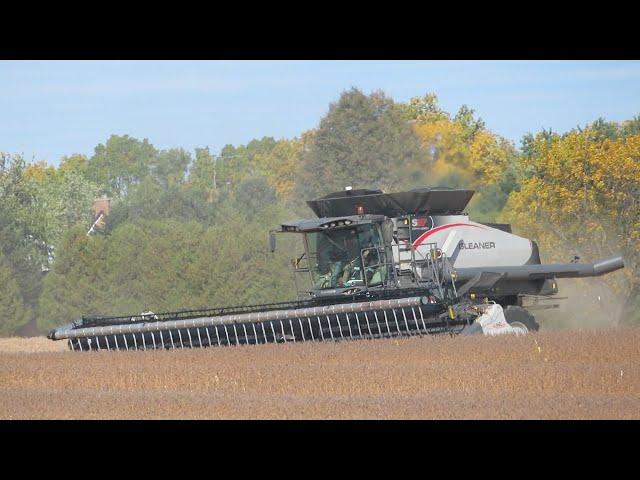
(549, 375)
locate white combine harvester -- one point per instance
(380, 265)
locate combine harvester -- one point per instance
(380, 265)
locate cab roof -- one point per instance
(323, 223)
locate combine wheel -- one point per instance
(520, 319)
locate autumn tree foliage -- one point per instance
(280, 165)
(461, 152)
(580, 193)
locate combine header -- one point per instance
(380, 265)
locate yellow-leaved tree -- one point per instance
(447, 152)
(490, 156)
(462, 153)
(280, 164)
(580, 194)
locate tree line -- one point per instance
(188, 229)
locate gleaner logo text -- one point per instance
(474, 245)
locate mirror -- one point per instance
(272, 242)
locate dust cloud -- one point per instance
(591, 303)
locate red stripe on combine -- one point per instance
(422, 237)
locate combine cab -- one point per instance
(380, 265)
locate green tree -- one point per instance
(75, 286)
(162, 265)
(62, 201)
(364, 141)
(252, 195)
(471, 125)
(12, 312)
(121, 163)
(232, 266)
(23, 227)
(236, 164)
(424, 109)
(601, 129)
(151, 201)
(203, 174)
(74, 163)
(631, 127)
(169, 167)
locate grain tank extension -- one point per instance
(379, 265)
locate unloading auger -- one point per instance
(380, 265)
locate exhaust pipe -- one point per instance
(541, 272)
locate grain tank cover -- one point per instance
(429, 201)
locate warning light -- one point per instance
(360, 210)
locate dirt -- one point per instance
(551, 375)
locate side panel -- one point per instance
(470, 244)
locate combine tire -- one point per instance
(520, 319)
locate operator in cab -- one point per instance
(344, 251)
(348, 256)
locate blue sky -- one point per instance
(53, 108)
